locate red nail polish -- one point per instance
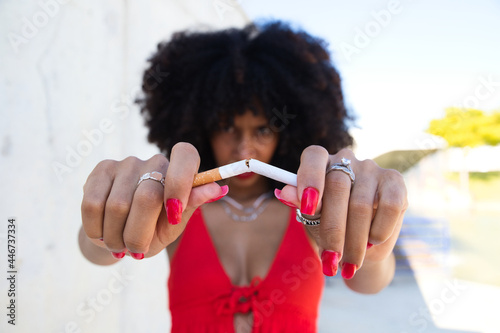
(330, 260)
(309, 202)
(277, 194)
(137, 256)
(368, 245)
(118, 255)
(348, 270)
(174, 211)
(223, 191)
(102, 240)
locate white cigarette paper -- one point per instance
(240, 167)
(233, 169)
(273, 172)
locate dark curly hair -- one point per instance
(198, 82)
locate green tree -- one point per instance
(467, 128)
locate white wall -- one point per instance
(479, 159)
(66, 68)
(428, 188)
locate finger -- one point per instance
(381, 251)
(359, 219)
(205, 194)
(168, 233)
(333, 221)
(311, 178)
(334, 215)
(198, 196)
(391, 202)
(288, 196)
(146, 205)
(119, 203)
(95, 194)
(184, 164)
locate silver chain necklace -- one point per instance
(246, 214)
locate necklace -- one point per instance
(245, 214)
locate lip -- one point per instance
(245, 175)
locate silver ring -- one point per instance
(345, 167)
(305, 221)
(155, 175)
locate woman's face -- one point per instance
(249, 137)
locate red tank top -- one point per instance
(202, 298)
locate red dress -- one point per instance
(202, 298)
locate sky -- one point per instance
(402, 62)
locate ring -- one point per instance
(155, 175)
(305, 221)
(345, 167)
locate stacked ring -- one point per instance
(305, 221)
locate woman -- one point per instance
(242, 263)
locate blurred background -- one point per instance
(422, 78)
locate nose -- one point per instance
(246, 147)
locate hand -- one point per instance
(132, 218)
(353, 217)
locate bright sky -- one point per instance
(403, 69)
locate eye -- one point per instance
(229, 129)
(226, 129)
(264, 132)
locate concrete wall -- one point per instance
(69, 71)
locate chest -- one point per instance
(244, 249)
(247, 249)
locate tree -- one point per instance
(466, 128)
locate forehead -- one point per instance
(250, 119)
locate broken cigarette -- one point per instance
(240, 167)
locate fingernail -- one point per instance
(348, 270)
(102, 240)
(309, 202)
(174, 211)
(368, 245)
(137, 256)
(330, 260)
(277, 194)
(118, 255)
(223, 191)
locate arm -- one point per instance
(373, 276)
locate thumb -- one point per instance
(289, 196)
(204, 194)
